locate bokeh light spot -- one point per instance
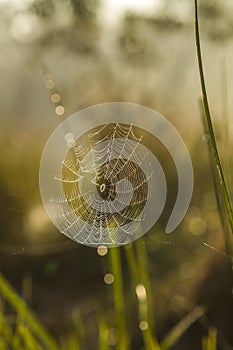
(50, 84)
(25, 28)
(109, 278)
(69, 137)
(197, 226)
(143, 325)
(177, 303)
(102, 250)
(55, 98)
(141, 292)
(60, 110)
(210, 200)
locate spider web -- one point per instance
(104, 178)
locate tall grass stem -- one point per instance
(119, 304)
(213, 143)
(21, 308)
(215, 154)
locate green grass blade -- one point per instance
(17, 339)
(213, 143)
(138, 269)
(119, 304)
(21, 308)
(3, 345)
(103, 335)
(177, 332)
(6, 333)
(224, 90)
(27, 288)
(132, 264)
(143, 270)
(226, 145)
(219, 198)
(223, 196)
(210, 342)
(217, 190)
(70, 342)
(145, 309)
(28, 340)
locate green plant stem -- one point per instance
(103, 335)
(225, 120)
(115, 261)
(214, 148)
(213, 144)
(177, 332)
(144, 276)
(210, 342)
(217, 190)
(6, 333)
(138, 269)
(132, 264)
(21, 308)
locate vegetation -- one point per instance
(133, 319)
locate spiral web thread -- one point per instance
(111, 155)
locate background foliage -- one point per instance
(56, 58)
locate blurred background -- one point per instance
(58, 57)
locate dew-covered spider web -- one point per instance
(101, 182)
(100, 179)
(105, 177)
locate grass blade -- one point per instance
(3, 345)
(214, 150)
(21, 308)
(177, 332)
(30, 343)
(209, 124)
(210, 342)
(138, 269)
(6, 333)
(131, 262)
(225, 121)
(119, 304)
(217, 190)
(143, 268)
(103, 335)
